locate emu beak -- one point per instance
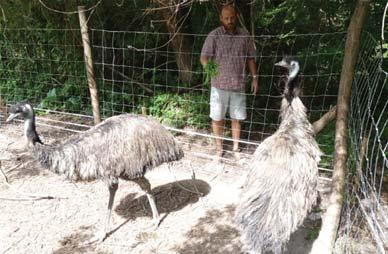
(282, 63)
(12, 116)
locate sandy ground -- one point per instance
(197, 213)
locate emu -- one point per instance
(281, 186)
(124, 146)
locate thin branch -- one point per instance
(2, 172)
(172, 36)
(28, 196)
(171, 7)
(133, 81)
(15, 167)
(68, 12)
(383, 22)
(28, 199)
(321, 123)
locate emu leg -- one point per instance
(103, 234)
(112, 191)
(146, 187)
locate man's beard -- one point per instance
(230, 27)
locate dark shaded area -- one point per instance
(169, 198)
(27, 165)
(301, 241)
(74, 243)
(212, 235)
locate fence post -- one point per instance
(89, 64)
(3, 108)
(331, 219)
(144, 111)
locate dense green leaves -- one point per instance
(42, 57)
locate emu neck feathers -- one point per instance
(292, 86)
(294, 115)
(294, 72)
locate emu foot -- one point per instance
(156, 221)
(98, 238)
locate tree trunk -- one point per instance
(330, 221)
(174, 16)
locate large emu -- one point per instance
(281, 186)
(123, 146)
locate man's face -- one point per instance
(228, 19)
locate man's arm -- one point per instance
(252, 66)
(204, 60)
(253, 70)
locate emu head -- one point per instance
(291, 87)
(21, 109)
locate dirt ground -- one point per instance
(197, 212)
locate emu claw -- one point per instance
(156, 222)
(99, 238)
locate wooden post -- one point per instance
(144, 111)
(3, 108)
(89, 64)
(330, 221)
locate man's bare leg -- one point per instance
(218, 130)
(236, 130)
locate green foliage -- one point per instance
(313, 233)
(43, 61)
(211, 71)
(325, 140)
(180, 110)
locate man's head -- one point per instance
(228, 17)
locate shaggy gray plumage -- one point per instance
(281, 184)
(123, 146)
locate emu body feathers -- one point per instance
(281, 184)
(122, 146)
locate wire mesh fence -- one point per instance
(366, 207)
(160, 73)
(141, 70)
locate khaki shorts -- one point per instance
(220, 100)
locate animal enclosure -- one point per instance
(140, 72)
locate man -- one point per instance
(232, 49)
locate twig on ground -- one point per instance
(2, 172)
(28, 199)
(15, 167)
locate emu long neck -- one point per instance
(29, 125)
(293, 112)
(293, 73)
(29, 128)
(293, 116)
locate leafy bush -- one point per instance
(325, 140)
(180, 110)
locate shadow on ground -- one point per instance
(25, 165)
(214, 233)
(169, 197)
(301, 241)
(74, 243)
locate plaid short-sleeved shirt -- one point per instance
(230, 52)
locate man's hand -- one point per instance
(204, 60)
(254, 86)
